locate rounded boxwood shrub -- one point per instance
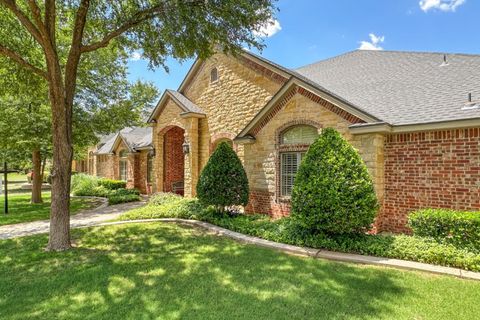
(333, 191)
(223, 182)
(111, 184)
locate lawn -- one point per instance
(21, 210)
(165, 271)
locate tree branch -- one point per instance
(37, 15)
(22, 62)
(50, 19)
(24, 20)
(137, 18)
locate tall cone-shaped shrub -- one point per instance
(333, 191)
(223, 182)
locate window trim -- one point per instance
(286, 148)
(123, 159)
(214, 71)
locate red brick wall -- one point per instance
(173, 157)
(439, 169)
(262, 201)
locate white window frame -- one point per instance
(123, 162)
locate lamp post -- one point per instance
(5, 178)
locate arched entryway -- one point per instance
(173, 159)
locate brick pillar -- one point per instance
(191, 159)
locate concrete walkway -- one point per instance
(83, 219)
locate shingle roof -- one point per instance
(134, 137)
(188, 105)
(402, 87)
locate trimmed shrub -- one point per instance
(111, 184)
(459, 228)
(122, 195)
(223, 182)
(333, 191)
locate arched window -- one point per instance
(299, 135)
(123, 165)
(213, 75)
(294, 143)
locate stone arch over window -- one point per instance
(214, 75)
(292, 142)
(222, 137)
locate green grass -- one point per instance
(21, 210)
(161, 271)
(17, 177)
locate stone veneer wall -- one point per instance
(262, 157)
(438, 169)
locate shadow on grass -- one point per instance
(172, 272)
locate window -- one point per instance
(123, 165)
(214, 75)
(299, 135)
(150, 167)
(294, 143)
(290, 162)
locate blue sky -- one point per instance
(307, 31)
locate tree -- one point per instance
(100, 111)
(161, 28)
(223, 182)
(333, 191)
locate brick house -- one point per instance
(408, 114)
(126, 155)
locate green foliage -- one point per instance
(287, 230)
(459, 228)
(223, 182)
(86, 185)
(111, 184)
(167, 205)
(333, 191)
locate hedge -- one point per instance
(287, 230)
(111, 184)
(86, 185)
(459, 228)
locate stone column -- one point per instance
(191, 159)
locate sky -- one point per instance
(306, 31)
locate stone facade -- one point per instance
(409, 171)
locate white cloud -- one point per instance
(373, 44)
(442, 5)
(135, 56)
(270, 28)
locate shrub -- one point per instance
(167, 205)
(111, 184)
(459, 228)
(223, 182)
(333, 191)
(287, 230)
(84, 185)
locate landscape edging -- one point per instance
(314, 253)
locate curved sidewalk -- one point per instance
(83, 219)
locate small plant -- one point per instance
(223, 182)
(459, 228)
(333, 191)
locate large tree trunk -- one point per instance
(61, 172)
(37, 177)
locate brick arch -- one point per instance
(218, 137)
(299, 122)
(169, 126)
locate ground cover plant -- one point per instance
(113, 190)
(166, 271)
(287, 230)
(21, 210)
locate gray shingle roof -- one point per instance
(402, 87)
(135, 137)
(188, 105)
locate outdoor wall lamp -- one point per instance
(186, 147)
